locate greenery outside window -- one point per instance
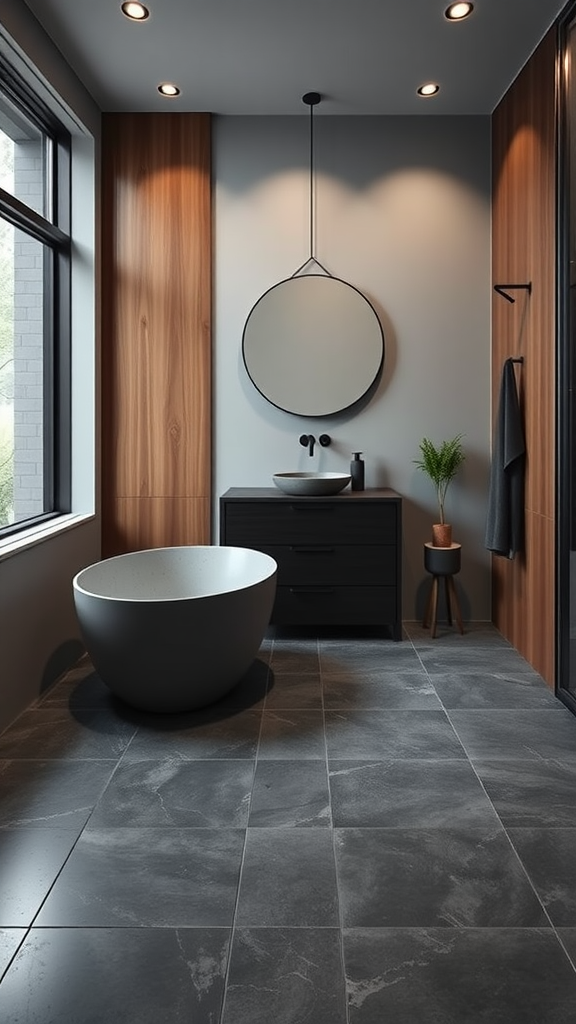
(34, 309)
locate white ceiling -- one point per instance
(261, 56)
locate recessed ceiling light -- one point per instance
(457, 12)
(168, 89)
(430, 89)
(135, 11)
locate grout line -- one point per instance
(535, 891)
(233, 925)
(333, 839)
(26, 930)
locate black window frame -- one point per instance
(55, 233)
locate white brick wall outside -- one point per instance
(28, 342)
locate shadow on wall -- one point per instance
(63, 658)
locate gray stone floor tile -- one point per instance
(475, 634)
(288, 879)
(291, 794)
(55, 733)
(378, 735)
(10, 939)
(202, 734)
(250, 690)
(461, 878)
(293, 690)
(147, 877)
(49, 794)
(458, 976)
(114, 975)
(295, 656)
(408, 794)
(285, 975)
(170, 792)
(337, 658)
(467, 658)
(548, 857)
(292, 734)
(567, 937)
(548, 733)
(493, 690)
(380, 688)
(133, 843)
(30, 860)
(525, 794)
(79, 689)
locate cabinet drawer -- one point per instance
(254, 524)
(354, 564)
(315, 605)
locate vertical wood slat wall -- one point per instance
(156, 350)
(524, 249)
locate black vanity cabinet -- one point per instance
(339, 558)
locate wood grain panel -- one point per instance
(524, 591)
(156, 374)
(540, 539)
(137, 523)
(523, 231)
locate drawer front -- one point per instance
(254, 524)
(328, 606)
(359, 565)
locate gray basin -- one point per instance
(311, 484)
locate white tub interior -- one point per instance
(174, 574)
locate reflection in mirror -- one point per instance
(313, 345)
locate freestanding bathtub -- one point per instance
(173, 629)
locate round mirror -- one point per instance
(313, 345)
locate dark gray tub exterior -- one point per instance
(174, 629)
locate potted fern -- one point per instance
(441, 463)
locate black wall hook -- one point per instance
(503, 289)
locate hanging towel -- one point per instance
(505, 517)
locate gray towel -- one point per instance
(505, 518)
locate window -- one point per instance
(34, 308)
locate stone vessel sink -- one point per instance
(311, 484)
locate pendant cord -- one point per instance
(312, 254)
(311, 99)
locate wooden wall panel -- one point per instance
(156, 372)
(524, 249)
(139, 523)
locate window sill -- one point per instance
(38, 534)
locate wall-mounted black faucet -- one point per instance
(308, 441)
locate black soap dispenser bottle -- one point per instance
(357, 472)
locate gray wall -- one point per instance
(39, 635)
(403, 214)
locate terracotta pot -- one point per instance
(441, 535)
